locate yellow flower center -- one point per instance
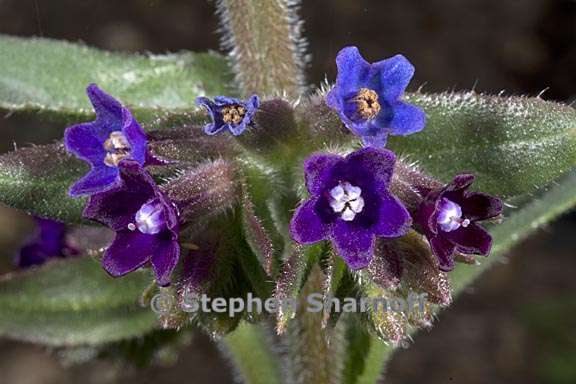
(233, 114)
(367, 103)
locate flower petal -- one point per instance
(135, 136)
(164, 261)
(128, 252)
(472, 239)
(378, 162)
(116, 207)
(393, 219)
(99, 179)
(306, 226)
(353, 71)
(392, 76)
(108, 109)
(407, 119)
(443, 250)
(481, 206)
(318, 171)
(353, 243)
(85, 141)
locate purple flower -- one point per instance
(48, 241)
(350, 204)
(228, 113)
(145, 222)
(114, 136)
(448, 217)
(367, 97)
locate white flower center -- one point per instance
(117, 147)
(450, 216)
(149, 219)
(346, 199)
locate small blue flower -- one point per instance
(114, 136)
(367, 97)
(228, 113)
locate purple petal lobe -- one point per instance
(353, 243)
(480, 206)
(108, 109)
(443, 250)
(353, 70)
(306, 226)
(394, 219)
(472, 239)
(128, 252)
(95, 181)
(164, 261)
(135, 136)
(117, 207)
(407, 119)
(318, 171)
(393, 76)
(378, 162)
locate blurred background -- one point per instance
(517, 324)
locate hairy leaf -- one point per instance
(50, 77)
(514, 145)
(73, 302)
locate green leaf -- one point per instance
(73, 302)
(37, 179)
(50, 77)
(514, 145)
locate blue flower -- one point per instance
(114, 136)
(367, 97)
(228, 113)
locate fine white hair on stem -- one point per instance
(265, 45)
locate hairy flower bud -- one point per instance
(203, 191)
(421, 272)
(273, 125)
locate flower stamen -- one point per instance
(233, 114)
(346, 199)
(450, 216)
(367, 103)
(117, 148)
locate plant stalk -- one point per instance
(264, 41)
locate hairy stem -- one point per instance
(252, 354)
(265, 45)
(315, 352)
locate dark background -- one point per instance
(515, 326)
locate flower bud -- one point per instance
(273, 126)
(203, 191)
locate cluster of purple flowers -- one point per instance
(122, 194)
(350, 201)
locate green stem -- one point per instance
(252, 355)
(263, 37)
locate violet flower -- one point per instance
(448, 217)
(47, 242)
(367, 97)
(114, 136)
(350, 204)
(145, 222)
(228, 113)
